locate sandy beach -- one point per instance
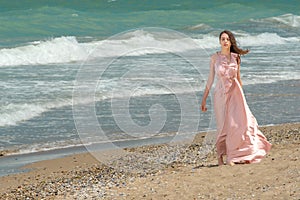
(102, 99)
(165, 172)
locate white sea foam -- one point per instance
(266, 39)
(135, 43)
(269, 77)
(199, 27)
(13, 114)
(286, 20)
(263, 39)
(99, 141)
(68, 49)
(46, 146)
(57, 50)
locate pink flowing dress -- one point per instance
(238, 136)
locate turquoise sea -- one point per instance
(45, 45)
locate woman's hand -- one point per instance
(203, 106)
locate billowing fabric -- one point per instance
(238, 135)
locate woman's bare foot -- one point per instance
(231, 163)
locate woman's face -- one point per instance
(225, 41)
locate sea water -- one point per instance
(45, 44)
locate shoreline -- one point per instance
(15, 162)
(76, 147)
(50, 178)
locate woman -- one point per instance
(238, 136)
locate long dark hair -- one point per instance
(233, 48)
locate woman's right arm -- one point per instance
(209, 83)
